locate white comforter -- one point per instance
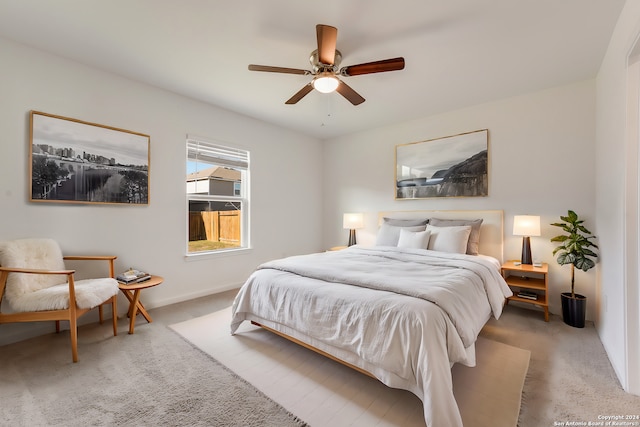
(404, 315)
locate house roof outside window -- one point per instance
(215, 172)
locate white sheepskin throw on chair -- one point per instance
(37, 292)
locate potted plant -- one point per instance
(574, 250)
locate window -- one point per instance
(217, 197)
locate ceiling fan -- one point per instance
(325, 62)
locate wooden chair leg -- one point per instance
(100, 313)
(73, 331)
(114, 314)
(57, 326)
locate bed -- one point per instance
(403, 310)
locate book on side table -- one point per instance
(528, 295)
(132, 276)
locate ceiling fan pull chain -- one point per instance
(326, 120)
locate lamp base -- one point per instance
(526, 251)
(352, 237)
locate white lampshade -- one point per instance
(325, 82)
(526, 225)
(351, 221)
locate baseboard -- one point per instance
(187, 297)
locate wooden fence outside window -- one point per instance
(215, 226)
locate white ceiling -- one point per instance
(458, 52)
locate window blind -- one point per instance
(204, 151)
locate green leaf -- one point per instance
(583, 229)
(563, 259)
(584, 264)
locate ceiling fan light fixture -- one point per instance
(325, 82)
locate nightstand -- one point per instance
(338, 248)
(529, 284)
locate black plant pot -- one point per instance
(574, 309)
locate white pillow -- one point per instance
(388, 235)
(413, 239)
(449, 239)
(474, 238)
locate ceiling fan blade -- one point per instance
(393, 64)
(351, 95)
(269, 69)
(300, 94)
(327, 36)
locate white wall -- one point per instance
(619, 338)
(541, 162)
(153, 237)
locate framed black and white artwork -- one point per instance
(72, 161)
(452, 166)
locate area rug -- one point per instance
(151, 378)
(323, 392)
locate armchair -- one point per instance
(38, 287)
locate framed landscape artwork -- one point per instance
(453, 166)
(72, 161)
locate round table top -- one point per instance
(153, 281)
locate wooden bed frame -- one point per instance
(310, 347)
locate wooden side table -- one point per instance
(132, 292)
(525, 277)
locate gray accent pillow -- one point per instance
(405, 222)
(474, 237)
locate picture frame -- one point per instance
(451, 166)
(73, 161)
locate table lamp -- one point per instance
(526, 226)
(351, 221)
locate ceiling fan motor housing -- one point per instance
(319, 67)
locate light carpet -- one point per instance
(151, 378)
(323, 392)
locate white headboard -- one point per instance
(491, 231)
